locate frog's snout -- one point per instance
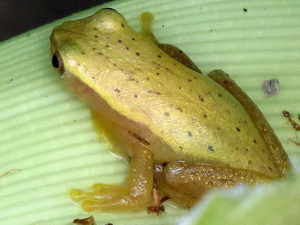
(58, 63)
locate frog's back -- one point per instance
(197, 118)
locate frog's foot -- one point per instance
(185, 183)
(135, 195)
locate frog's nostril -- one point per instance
(58, 63)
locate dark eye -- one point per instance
(58, 63)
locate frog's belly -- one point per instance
(117, 129)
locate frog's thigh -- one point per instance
(134, 195)
(185, 183)
(257, 117)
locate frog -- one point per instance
(183, 133)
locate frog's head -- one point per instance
(67, 39)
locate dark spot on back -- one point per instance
(210, 148)
(201, 98)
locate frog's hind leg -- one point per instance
(185, 183)
(135, 194)
(257, 117)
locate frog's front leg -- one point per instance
(134, 195)
(185, 183)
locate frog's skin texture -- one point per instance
(182, 132)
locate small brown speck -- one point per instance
(117, 90)
(189, 80)
(167, 114)
(190, 134)
(210, 148)
(122, 25)
(120, 41)
(201, 98)
(159, 56)
(96, 36)
(133, 39)
(179, 109)
(238, 129)
(137, 53)
(220, 95)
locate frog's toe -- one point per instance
(115, 204)
(78, 195)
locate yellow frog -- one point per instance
(182, 132)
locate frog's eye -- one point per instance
(58, 63)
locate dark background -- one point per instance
(18, 16)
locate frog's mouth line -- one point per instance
(68, 31)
